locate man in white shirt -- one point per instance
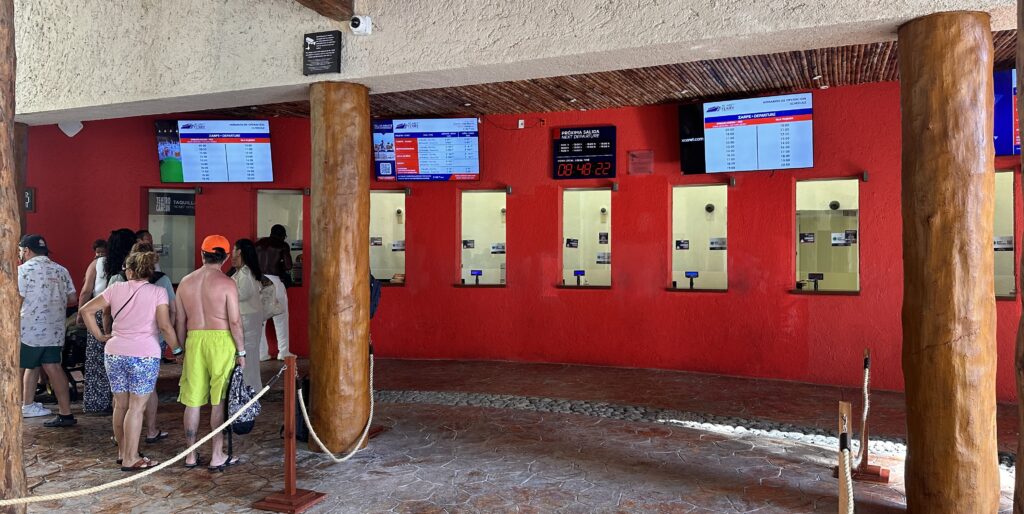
(47, 291)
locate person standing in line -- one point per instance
(249, 279)
(275, 258)
(132, 352)
(209, 321)
(144, 236)
(46, 291)
(97, 396)
(99, 250)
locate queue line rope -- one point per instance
(149, 471)
(362, 438)
(847, 481)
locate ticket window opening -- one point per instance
(699, 237)
(1002, 235)
(586, 237)
(172, 222)
(483, 237)
(282, 207)
(828, 236)
(387, 236)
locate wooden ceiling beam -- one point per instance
(340, 10)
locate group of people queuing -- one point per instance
(135, 319)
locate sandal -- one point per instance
(141, 456)
(160, 435)
(142, 464)
(194, 464)
(220, 469)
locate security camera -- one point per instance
(361, 25)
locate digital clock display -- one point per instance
(586, 152)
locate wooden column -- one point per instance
(12, 480)
(339, 302)
(949, 321)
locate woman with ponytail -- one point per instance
(140, 314)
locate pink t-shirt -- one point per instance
(135, 330)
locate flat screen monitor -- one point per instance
(214, 151)
(768, 133)
(1006, 131)
(426, 149)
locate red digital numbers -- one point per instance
(584, 169)
(565, 170)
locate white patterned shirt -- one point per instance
(45, 287)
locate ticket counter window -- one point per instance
(172, 222)
(483, 237)
(699, 237)
(587, 237)
(1002, 240)
(827, 238)
(282, 207)
(387, 236)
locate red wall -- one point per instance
(757, 328)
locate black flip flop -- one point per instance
(196, 463)
(141, 456)
(228, 463)
(141, 465)
(160, 435)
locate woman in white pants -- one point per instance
(248, 278)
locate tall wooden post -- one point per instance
(12, 480)
(339, 318)
(949, 322)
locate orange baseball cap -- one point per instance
(211, 243)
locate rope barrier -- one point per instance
(362, 438)
(844, 465)
(148, 471)
(867, 407)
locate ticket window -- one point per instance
(699, 228)
(1006, 280)
(387, 236)
(827, 239)
(282, 207)
(172, 222)
(587, 237)
(483, 237)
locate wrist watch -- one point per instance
(178, 351)
(240, 353)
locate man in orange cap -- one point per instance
(209, 322)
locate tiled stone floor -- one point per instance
(470, 459)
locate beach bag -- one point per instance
(268, 298)
(238, 395)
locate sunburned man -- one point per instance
(209, 322)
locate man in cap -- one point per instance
(47, 291)
(209, 322)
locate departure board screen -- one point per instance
(770, 133)
(427, 149)
(214, 151)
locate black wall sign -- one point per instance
(321, 52)
(691, 139)
(586, 152)
(30, 199)
(172, 204)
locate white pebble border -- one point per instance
(888, 446)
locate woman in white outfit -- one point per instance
(249, 280)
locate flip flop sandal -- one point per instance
(141, 456)
(228, 463)
(142, 464)
(159, 436)
(196, 463)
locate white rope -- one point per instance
(148, 471)
(362, 438)
(844, 465)
(867, 407)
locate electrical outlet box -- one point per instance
(522, 123)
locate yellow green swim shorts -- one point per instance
(209, 360)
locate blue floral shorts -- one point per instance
(135, 375)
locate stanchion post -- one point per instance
(292, 499)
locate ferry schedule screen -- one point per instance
(214, 151)
(426, 149)
(770, 133)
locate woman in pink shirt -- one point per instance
(132, 353)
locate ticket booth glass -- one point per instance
(587, 237)
(483, 237)
(172, 222)
(387, 235)
(699, 237)
(282, 207)
(1002, 235)
(827, 238)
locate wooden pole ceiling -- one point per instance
(340, 10)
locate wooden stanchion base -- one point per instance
(869, 473)
(302, 500)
